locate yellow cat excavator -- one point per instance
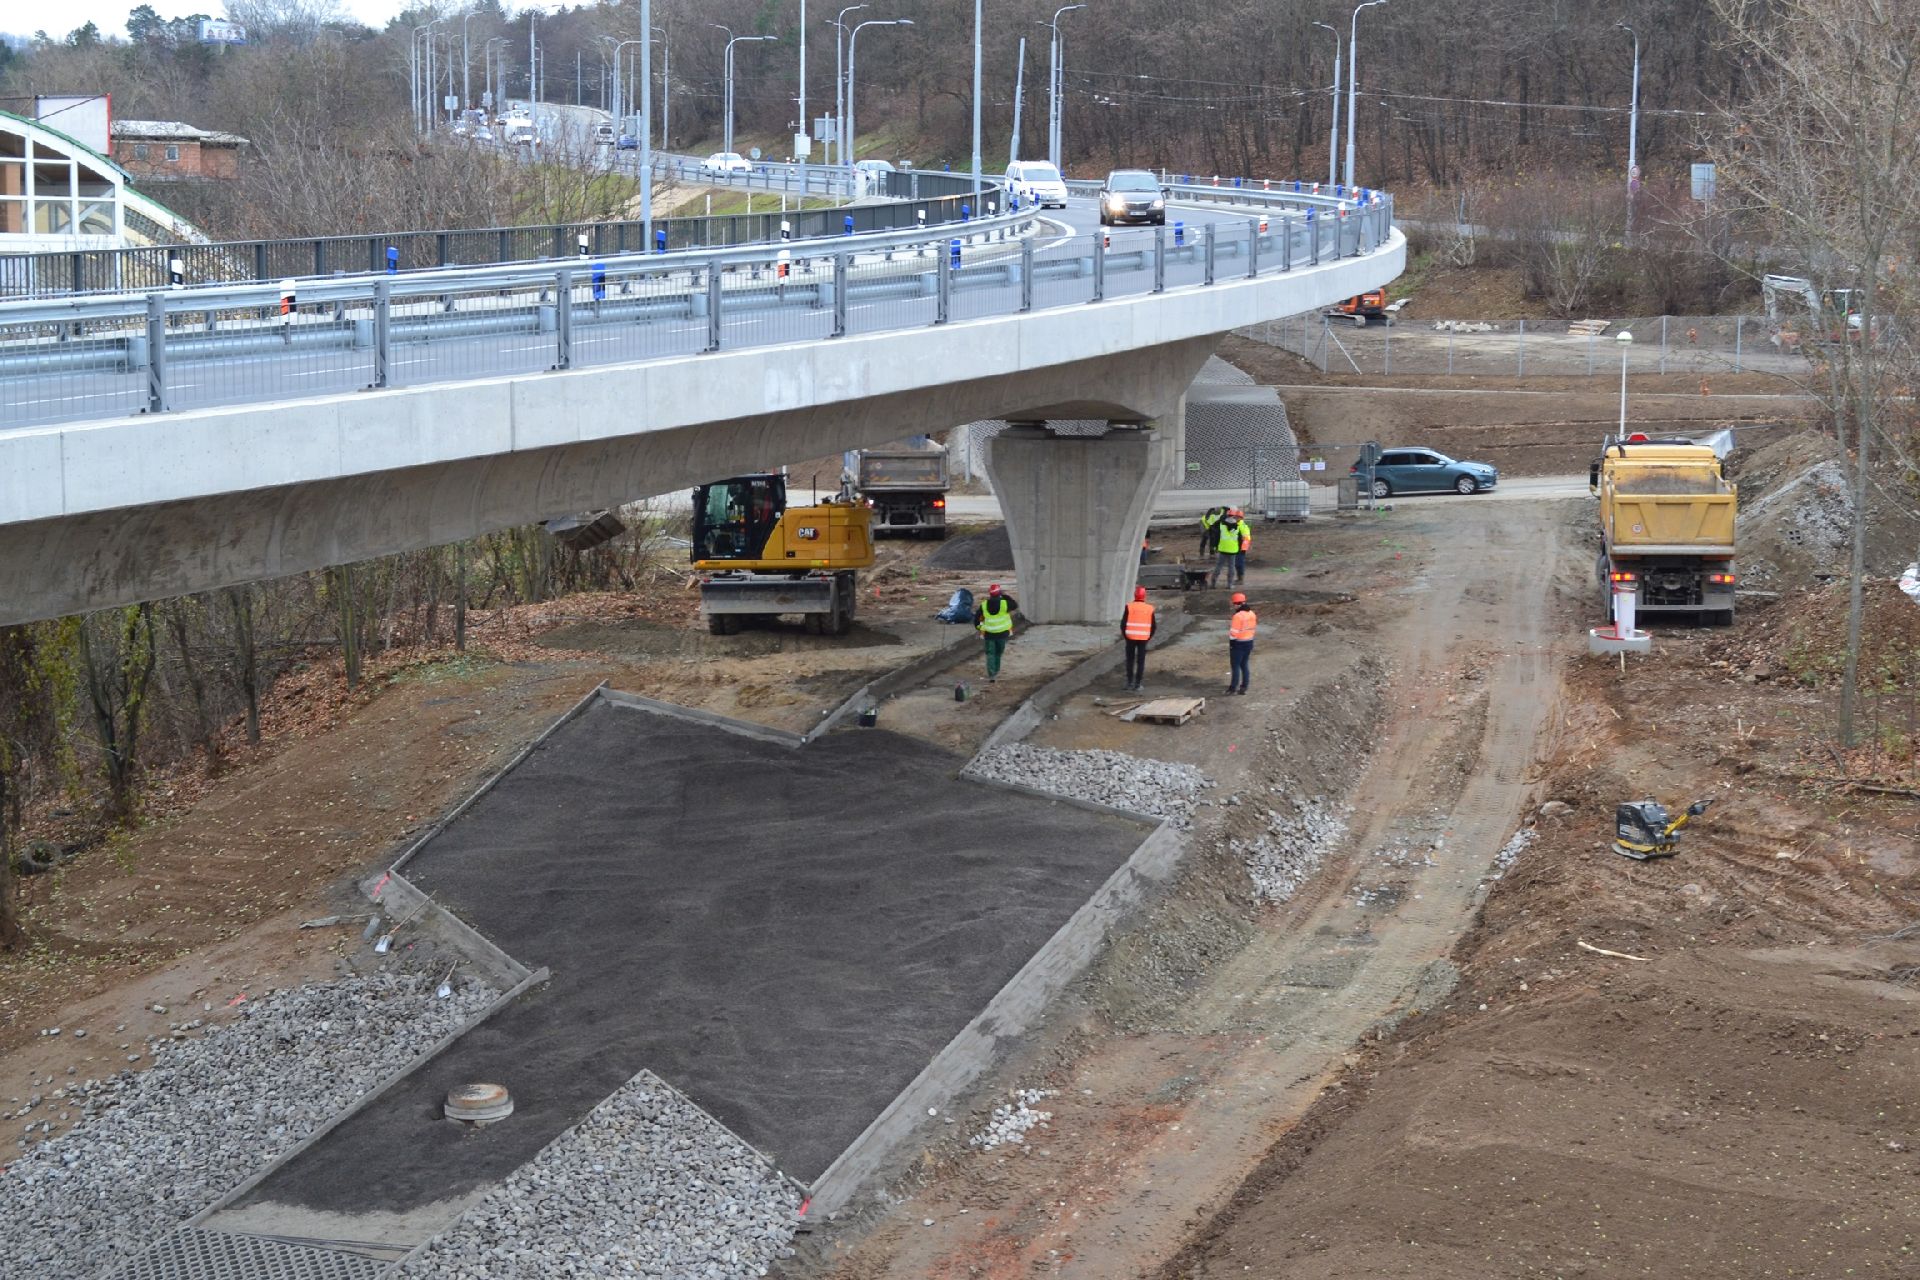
(762, 558)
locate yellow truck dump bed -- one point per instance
(1666, 499)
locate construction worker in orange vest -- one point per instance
(1137, 626)
(1240, 628)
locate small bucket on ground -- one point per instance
(869, 717)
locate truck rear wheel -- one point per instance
(723, 624)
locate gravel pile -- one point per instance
(154, 1147)
(1012, 1121)
(1152, 787)
(1510, 851)
(1297, 840)
(646, 1185)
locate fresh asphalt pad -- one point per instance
(788, 936)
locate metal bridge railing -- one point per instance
(911, 200)
(87, 358)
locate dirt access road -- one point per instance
(1153, 1129)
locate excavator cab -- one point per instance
(735, 519)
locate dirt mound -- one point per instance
(988, 549)
(1805, 640)
(1796, 515)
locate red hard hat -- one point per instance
(994, 590)
(1139, 593)
(1239, 597)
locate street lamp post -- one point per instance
(466, 64)
(646, 126)
(533, 70)
(976, 103)
(1625, 339)
(1353, 81)
(1333, 129)
(839, 26)
(1055, 82)
(619, 102)
(802, 126)
(853, 36)
(732, 40)
(493, 86)
(666, 85)
(1633, 131)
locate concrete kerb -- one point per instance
(367, 1099)
(1011, 1013)
(905, 677)
(652, 1081)
(1027, 716)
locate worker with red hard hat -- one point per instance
(1240, 629)
(1137, 625)
(993, 619)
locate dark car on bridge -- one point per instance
(1427, 471)
(1132, 195)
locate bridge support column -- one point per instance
(1076, 509)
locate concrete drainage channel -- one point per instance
(772, 957)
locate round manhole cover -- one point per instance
(479, 1103)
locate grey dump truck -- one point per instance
(907, 489)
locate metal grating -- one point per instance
(192, 1253)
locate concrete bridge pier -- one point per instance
(1076, 509)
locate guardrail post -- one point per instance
(1026, 274)
(319, 257)
(260, 260)
(382, 330)
(1286, 243)
(1160, 259)
(563, 319)
(156, 353)
(943, 283)
(1209, 237)
(1253, 247)
(440, 248)
(713, 308)
(841, 264)
(1099, 265)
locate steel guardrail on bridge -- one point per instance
(86, 358)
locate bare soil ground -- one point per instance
(1729, 1097)
(1210, 1026)
(1532, 426)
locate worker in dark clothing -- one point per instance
(1240, 628)
(1137, 626)
(1207, 522)
(993, 619)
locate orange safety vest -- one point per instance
(1139, 622)
(1240, 626)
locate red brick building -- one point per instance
(164, 150)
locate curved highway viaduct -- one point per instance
(100, 513)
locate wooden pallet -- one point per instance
(1166, 710)
(1588, 328)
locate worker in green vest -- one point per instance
(993, 619)
(1207, 522)
(1232, 537)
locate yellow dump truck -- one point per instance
(1667, 519)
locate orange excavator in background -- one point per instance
(1363, 307)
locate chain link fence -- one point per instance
(1693, 345)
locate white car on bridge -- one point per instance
(724, 164)
(1037, 183)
